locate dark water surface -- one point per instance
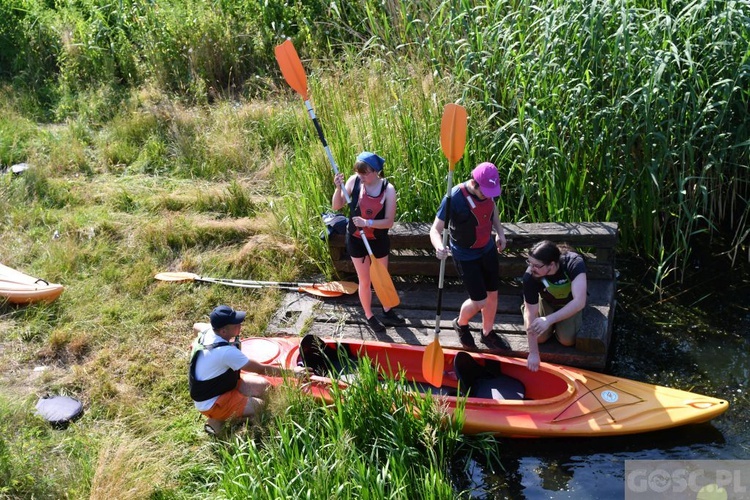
(695, 336)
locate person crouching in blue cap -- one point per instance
(372, 211)
(218, 389)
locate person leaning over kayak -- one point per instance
(218, 389)
(554, 295)
(372, 210)
(473, 216)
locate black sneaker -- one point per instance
(375, 325)
(392, 318)
(464, 335)
(495, 342)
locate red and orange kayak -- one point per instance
(19, 288)
(502, 396)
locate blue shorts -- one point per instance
(381, 247)
(480, 275)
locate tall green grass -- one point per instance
(593, 111)
(376, 440)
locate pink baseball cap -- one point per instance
(489, 182)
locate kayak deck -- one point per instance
(19, 288)
(555, 401)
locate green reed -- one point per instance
(604, 111)
(376, 440)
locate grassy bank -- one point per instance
(163, 138)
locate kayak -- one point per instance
(19, 288)
(502, 396)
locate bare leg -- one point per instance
(469, 309)
(488, 313)
(253, 385)
(365, 290)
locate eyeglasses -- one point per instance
(535, 266)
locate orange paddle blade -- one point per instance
(383, 284)
(320, 292)
(291, 67)
(347, 287)
(433, 363)
(453, 133)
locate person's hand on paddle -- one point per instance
(442, 252)
(338, 180)
(361, 222)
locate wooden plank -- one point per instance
(509, 267)
(342, 317)
(521, 235)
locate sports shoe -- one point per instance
(495, 342)
(464, 335)
(375, 325)
(392, 318)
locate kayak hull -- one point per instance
(559, 401)
(19, 288)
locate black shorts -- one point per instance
(356, 247)
(480, 275)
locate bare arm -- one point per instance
(338, 201)
(530, 313)
(271, 370)
(500, 240)
(436, 238)
(578, 290)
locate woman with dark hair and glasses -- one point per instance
(554, 295)
(372, 211)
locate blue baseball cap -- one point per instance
(375, 161)
(225, 315)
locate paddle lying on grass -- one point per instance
(381, 279)
(329, 289)
(294, 74)
(453, 142)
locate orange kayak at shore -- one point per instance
(502, 396)
(19, 288)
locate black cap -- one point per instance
(225, 315)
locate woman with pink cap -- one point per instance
(473, 216)
(372, 211)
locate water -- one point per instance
(696, 337)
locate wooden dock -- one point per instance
(414, 272)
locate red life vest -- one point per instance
(482, 211)
(367, 207)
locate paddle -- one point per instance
(453, 142)
(330, 289)
(294, 74)
(381, 279)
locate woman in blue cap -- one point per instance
(372, 210)
(473, 216)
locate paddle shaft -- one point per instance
(295, 76)
(323, 141)
(446, 231)
(242, 284)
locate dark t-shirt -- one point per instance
(571, 265)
